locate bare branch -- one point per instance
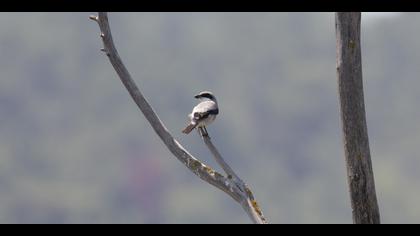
(219, 159)
(353, 119)
(94, 18)
(240, 194)
(249, 204)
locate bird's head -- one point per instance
(205, 95)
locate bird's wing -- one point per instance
(204, 109)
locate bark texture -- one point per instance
(353, 119)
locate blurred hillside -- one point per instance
(75, 149)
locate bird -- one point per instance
(203, 113)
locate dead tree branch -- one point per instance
(234, 187)
(353, 119)
(249, 204)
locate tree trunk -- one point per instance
(353, 119)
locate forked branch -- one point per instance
(231, 185)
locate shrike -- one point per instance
(204, 113)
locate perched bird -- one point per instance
(203, 114)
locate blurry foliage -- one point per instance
(75, 149)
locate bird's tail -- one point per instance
(189, 128)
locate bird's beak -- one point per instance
(197, 96)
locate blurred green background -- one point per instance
(74, 148)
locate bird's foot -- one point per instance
(203, 132)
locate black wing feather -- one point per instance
(203, 115)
